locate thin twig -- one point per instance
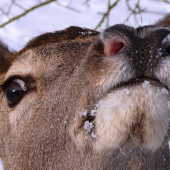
(26, 12)
(106, 14)
(87, 3)
(68, 7)
(165, 1)
(133, 11)
(155, 12)
(138, 10)
(20, 6)
(9, 9)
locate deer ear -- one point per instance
(165, 22)
(6, 58)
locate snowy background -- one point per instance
(53, 17)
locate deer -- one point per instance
(80, 99)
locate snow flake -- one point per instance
(83, 112)
(93, 135)
(146, 84)
(88, 126)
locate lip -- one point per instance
(142, 81)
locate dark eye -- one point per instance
(14, 91)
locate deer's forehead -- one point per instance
(20, 66)
(48, 58)
(24, 65)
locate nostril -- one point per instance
(166, 44)
(112, 47)
(167, 49)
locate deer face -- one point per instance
(80, 99)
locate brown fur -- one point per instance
(67, 77)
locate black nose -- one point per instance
(144, 46)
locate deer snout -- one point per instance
(138, 47)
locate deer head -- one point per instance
(81, 99)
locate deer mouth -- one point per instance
(141, 82)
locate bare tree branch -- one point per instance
(133, 11)
(107, 13)
(26, 12)
(166, 1)
(137, 10)
(87, 3)
(68, 7)
(155, 12)
(9, 9)
(20, 6)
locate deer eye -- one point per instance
(14, 91)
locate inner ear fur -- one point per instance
(6, 58)
(165, 22)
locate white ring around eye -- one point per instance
(21, 83)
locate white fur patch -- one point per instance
(119, 109)
(122, 71)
